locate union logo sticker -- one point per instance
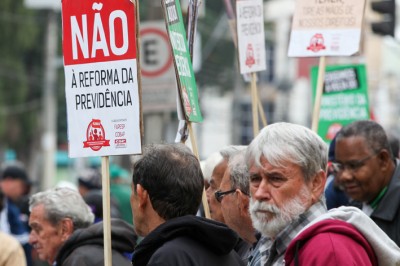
(317, 43)
(95, 136)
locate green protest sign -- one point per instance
(183, 65)
(344, 98)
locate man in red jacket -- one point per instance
(287, 165)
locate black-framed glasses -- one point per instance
(352, 166)
(219, 194)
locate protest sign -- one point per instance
(250, 32)
(101, 78)
(182, 61)
(251, 47)
(326, 28)
(344, 98)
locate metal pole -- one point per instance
(49, 137)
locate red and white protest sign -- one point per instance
(101, 77)
(250, 32)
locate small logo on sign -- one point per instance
(316, 43)
(186, 101)
(250, 56)
(95, 136)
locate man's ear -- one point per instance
(318, 185)
(242, 201)
(142, 195)
(66, 228)
(385, 159)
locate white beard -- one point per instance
(272, 223)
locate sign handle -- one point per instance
(318, 95)
(254, 100)
(262, 113)
(196, 153)
(105, 176)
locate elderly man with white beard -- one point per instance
(287, 167)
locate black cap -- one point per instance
(90, 178)
(15, 172)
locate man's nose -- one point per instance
(263, 191)
(345, 175)
(32, 238)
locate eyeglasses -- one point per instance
(219, 194)
(352, 166)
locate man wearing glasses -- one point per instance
(234, 198)
(215, 181)
(370, 174)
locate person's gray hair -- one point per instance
(282, 142)
(208, 165)
(239, 173)
(228, 151)
(60, 203)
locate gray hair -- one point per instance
(228, 151)
(60, 203)
(281, 143)
(208, 165)
(239, 172)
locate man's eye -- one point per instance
(255, 179)
(354, 165)
(276, 179)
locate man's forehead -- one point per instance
(266, 167)
(226, 179)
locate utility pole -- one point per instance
(49, 137)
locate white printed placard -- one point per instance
(251, 40)
(101, 78)
(326, 28)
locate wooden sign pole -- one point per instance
(261, 111)
(318, 95)
(105, 176)
(254, 101)
(196, 153)
(192, 16)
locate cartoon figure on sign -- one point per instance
(95, 136)
(250, 56)
(186, 101)
(316, 43)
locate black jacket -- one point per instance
(85, 246)
(188, 241)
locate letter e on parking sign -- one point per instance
(101, 77)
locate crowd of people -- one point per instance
(285, 199)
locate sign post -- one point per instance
(102, 86)
(251, 47)
(188, 104)
(325, 28)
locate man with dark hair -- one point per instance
(11, 253)
(369, 173)
(16, 185)
(167, 187)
